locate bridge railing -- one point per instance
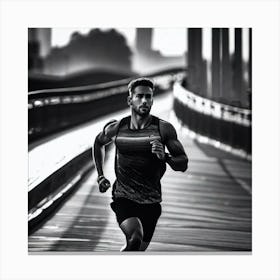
(52, 110)
(227, 125)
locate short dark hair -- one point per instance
(140, 82)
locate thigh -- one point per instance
(123, 209)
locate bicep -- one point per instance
(175, 147)
(172, 143)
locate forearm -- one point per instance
(178, 163)
(98, 156)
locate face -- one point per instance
(141, 100)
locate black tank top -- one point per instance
(138, 170)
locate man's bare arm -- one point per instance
(178, 159)
(102, 139)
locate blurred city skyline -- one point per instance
(217, 60)
(64, 51)
(168, 41)
(160, 41)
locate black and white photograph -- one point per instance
(139, 140)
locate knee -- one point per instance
(135, 241)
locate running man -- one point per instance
(140, 162)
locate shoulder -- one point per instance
(111, 128)
(108, 133)
(166, 125)
(167, 130)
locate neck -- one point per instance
(139, 122)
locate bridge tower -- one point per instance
(144, 40)
(225, 77)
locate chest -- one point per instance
(137, 141)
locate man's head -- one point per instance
(140, 97)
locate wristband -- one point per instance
(167, 157)
(99, 178)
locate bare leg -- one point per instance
(133, 230)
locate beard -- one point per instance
(142, 111)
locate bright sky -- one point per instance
(170, 41)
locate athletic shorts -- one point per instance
(148, 214)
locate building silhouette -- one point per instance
(146, 60)
(95, 50)
(39, 46)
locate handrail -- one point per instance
(78, 89)
(82, 94)
(227, 126)
(211, 108)
(48, 194)
(91, 88)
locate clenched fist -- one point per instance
(104, 184)
(158, 149)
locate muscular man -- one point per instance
(140, 163)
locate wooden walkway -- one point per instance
(206, 209)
